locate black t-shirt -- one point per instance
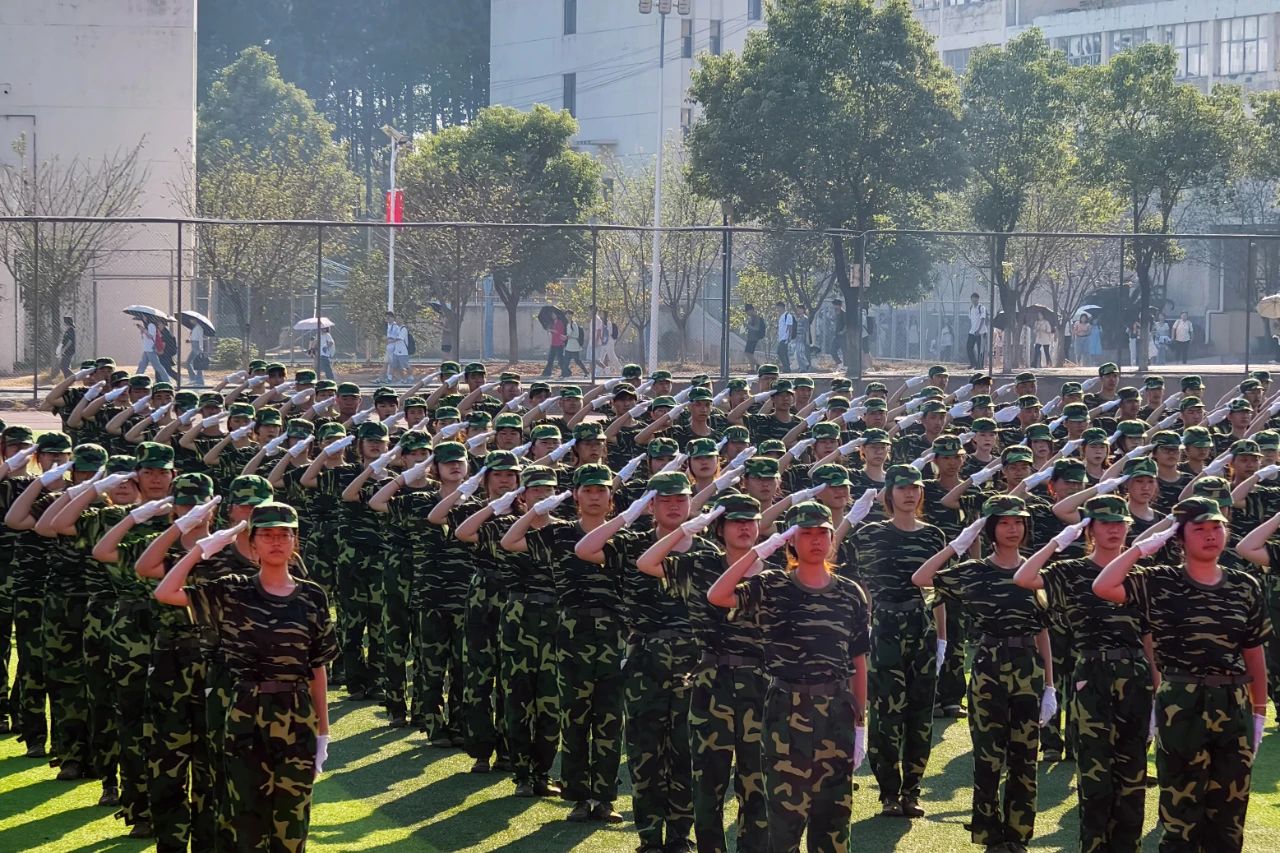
(1096, 624)
(994, 604)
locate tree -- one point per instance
(839, 115)
(49, 262)
(1016, 103)
(264, 153)
(1153, 140)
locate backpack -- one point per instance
(582, 336)
(410, 344)
(166, 342)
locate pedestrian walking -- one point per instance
(555, 326)
(152, 345)
(397, 349)
(1181, 335)
(574, 338)
(979, 330)
(67, 346)
(753, 332)
(786, 331)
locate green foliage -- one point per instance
(228, 355)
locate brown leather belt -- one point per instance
(277, 686)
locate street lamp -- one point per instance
(397, 139)
(682, 7)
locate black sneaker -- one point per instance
(398, 722)
(110, 796)
(441, 742)
(481, 766)
(70, 772)
(546, 788)
(955, 711)
(581, 813)
(911, 807)
(525, 789)
(604, 812)
(503, 765)
(891, 808)
(142, 829)
(35, 751)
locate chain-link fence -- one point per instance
(578, 300)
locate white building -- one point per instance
(84, 80)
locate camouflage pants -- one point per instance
(590, 649)
(951, 681)
(360, 614)
(1204, 760)
(28, 624)
(131, 632)
(1272, 584)
(656, 688)
(321, 551)
(482, 696)
(1059, 735)
(270, 765)
(65, 677)
(219, 687)
(397, 631)
(437, 660)
(901, 690)
(180, 810)
(1004, 711)
(1112, 714)
(726, 709)
(532, 701)
(6, 639)
(808, 768)
(104, 740)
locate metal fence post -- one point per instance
(595, 311)
(855, 310)
(991, 311)
(726, 273)
(177, 358)
(319, 286)
(455, 322)
(35, 312)
(1249, 281)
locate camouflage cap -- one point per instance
(269, 417)
(1143, 466)
(479, 419)
(592, 474)
(1037, 432)
(18, 434)
(241, 410)
(211, 399)
(660, 376)
(840, 383)
(782, 386)
(1215, 488)
(1245, 447)
(326, 385)
(937, 370)
(121, 464)
(250, 490)
(737, 384)
(1190, 403)
(1069, 388)
(809, 514)
(415, 402)
(1107, 368)
(767, 370)
(473, 367)
(1095, 435)
(830, 475)
(257, 364)
(980, 378)
(304, 377)
(931, 392)
(1197, 436)
(625, 389)
(1191, 380)
(737, 433)
(448, 413)
(538, 475)
(139, 381)
(670, 483)
(329, 430)
(299, 428)
(275, 367)
(1024, 376)
(1261, 375)
(1128, 392)
(501, 460)
(763, 467)
(1132, 429)
(664, 402)
(192, 489)
(152, 454)
(984, 425)
(508, 376)
(1016, 453)
(88, 457)
(632, 371)
(701, 394)
(570, 391)
(1106, 508)
(385, 394)
(1198, 509)
(770, 446)
(902, 475)
(838, 404)
(1250, 384)
(1076, 412)
(1165, 438)
(449, 368)
(450, 451)
(739, 507)
(825, 429)
(1028, 401)
(802, 382)
(119, 377)
(1069, 470)
(273, 514)
(104, 362)
(981, 401)
(372, 431)
(701, 447)
(876, 436)
(413, 440)
(876, 387)
(933, 407)
(876, 404)
(186, 400)
(1268, 439)
(588, 431)
(1005, 506)
(1153, 381)
(508, 420)
(348, 389)
(1239, 405)
(947, 445)
(662, 447)
(542, 432)
(162, 388)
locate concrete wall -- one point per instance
(88, 79)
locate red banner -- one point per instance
(395, 207)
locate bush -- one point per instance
(229, 354)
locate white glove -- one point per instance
(325, 405)
(743, 455)
(300, 448)
(274, 445)
(851, 445)
(1039, 477)
(106, 484)
(1170, 401)
(1110, 406)
(629, 470)
(94, 390)
(302, 396)
(161, 412)
(805, 495)
(728, 478)
(88, 485)
(859, 746)
(982, 475)
(53, 475)
(488, 386)
(1274, 408)
(959, 410)
(149, 510)
(322, 752)
(562, 451)
(963, 392)
(1156, 541)
(638, 410)
(916, 381)
(683, 395)
(699, 523)
(1217, 466)
(242, 432)
(522, 449)
(471, 485)
(84, 374)
(1268, 472)
(966, 437)
(941, 655)
(1170, 420)
(1007, 415)
(1217, 416)
(1052, 406)
(1002, 390)
(645, 387)
(799, 449)
(1056, 423)
(675, 463)
(339, 446)
(188, 416)
(212, 420)
(766, 549)
(547, 505)
(1259, 723)
(909, 421)
(1070, 533)
(197, 514)
(913, 406)
(362, 416)
(380, 464)
(920, 462)
(720, 444)
(257, 380)
(416, 473)
(821, 399)
(1114, 437)
(812, 418)
(502, 505)
(285, 387)
(1071, 446)
(1108, 486)
(1091, 384)
(1140, 450)
(112, 396)
(516, 402)
(631, 513)
(141, 404)
(964, 541)
(215, 542)
(1048, 705)
(854, 414)
(453, 380)
(547, 405)
(761, 397)
(601, 402)
(861, 507)
(19, 460)
(235, 378)
(610, 384)
(430, 377)
(451, 430)
(476, 442)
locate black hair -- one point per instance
(989, 527)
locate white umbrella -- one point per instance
(141, 311)
(191, 319)
(309, 324)
(1269, 307)
(1086, 308)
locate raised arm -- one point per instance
(1028, 574)
(651, 561)
(590, 548)
(155, 558)
(171, 588)
(19, 515)
(1253, 547)
(1109, 584)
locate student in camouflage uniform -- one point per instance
(948, 460)
(1206, 737)
(1008, 677)
(276, 635)
(15, 443)
(814, 625)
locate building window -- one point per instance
(570, 101)
(570, 17)
(713, 44)
(686, 120)
(1082, 50)
(1190, 45)
(1122, 40)
(755, 10)
(686, 38)
(1242, 46)
(957, 60)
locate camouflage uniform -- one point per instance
(28, 583)
(355, 540)
(483, 700)
(951, 680)
(414, 548)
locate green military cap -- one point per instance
(1268, 439)
(473, 367)
(632, 371)
(670, 483)
(139, 380)
(454, 400)
(1028, 401)
(1038, 432)
(932, 406)
(874, 387)
(737, 432)
(825, 429)
(17, 434)
(381, 394)
(184, 400)
(624, 389)
(931, 392)
(162, 387)
(659, 375)
(592, 474)
(1069, 470)
(830, 475)
(937, 370)
(1197, 509)
(663, 402)
(104, 362)
(1069, 388)
(1132, 429)
(250, 490)
(876, 404)
(508, 420)
(701, 447)
(372, 430)
(117, 377)
(1250, 384)
(501, 460)
(413, 440)
(1153, 381)
(1005, 506)
(1016, 453)
(876, 436)
(979, 378)
(53, 442)
(1025, 376)
(568, 391)
(699, 379)
(1197, 436)
(802, 382)
(416, 403)
(1143, 466)
(448, 368)
(767, 370)
(538, 475)
(588, 431)
(902, 475)
(508, 376)
(326, 385)
(121, 464)
(1108, 368)
(762, 466)
(152, 454)
(1245, 447)
(1239, 404)
(192, 489)
(348, 389)
(268, 417)
(662, 447)
(330, 429)
(984, 425)
(1094, 435)
(841, 384)
(299, 428)
(304, 377)
(479, 418)
(782, 386)
(210, 398)
(1261, 375)
(88, 457)
(737, 384)
(257, 364)
(241, 410)
(739, 507)
(809, 514)
(1190, 403)
(544, 431)
(946, 445)
(1128, 392)
(771, 445)
(700, 393)
(1191, 380)
(1216, 488)
(1076, 412)
(1106, 508)
(448, 413)
(275, 367)
(981, 401)
(1166, 438)
(88, 364)
(450, 451)
(838, 404)
(273, 514)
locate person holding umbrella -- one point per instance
(198, 327)
(152, 341)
